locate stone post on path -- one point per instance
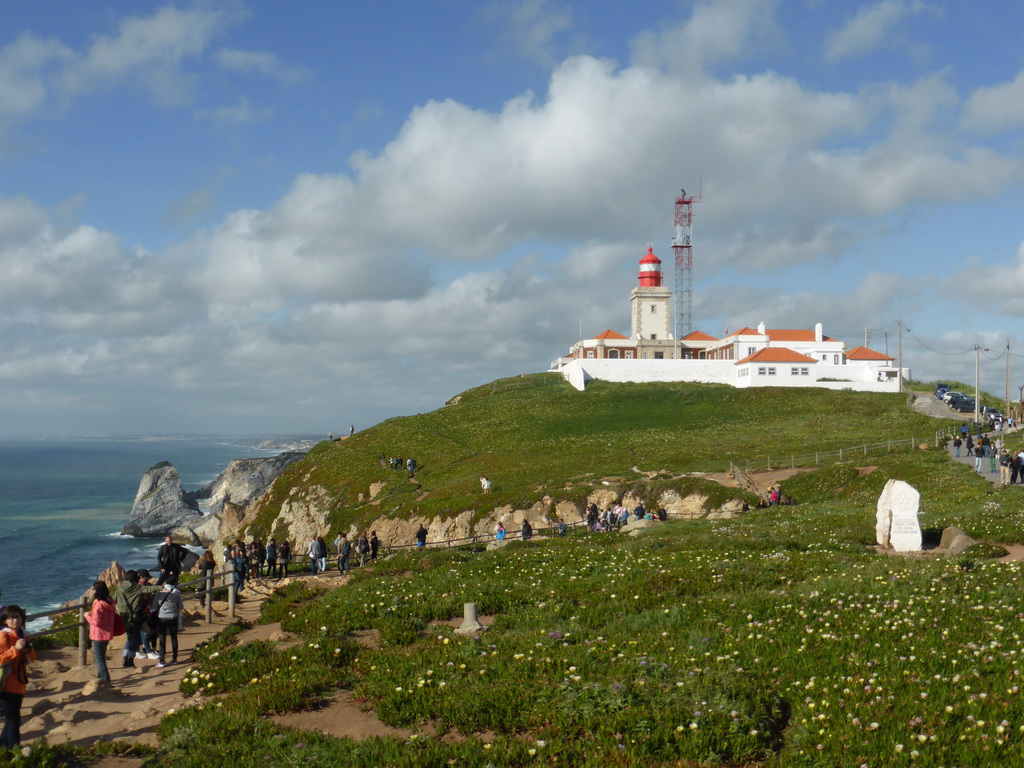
(231, 576)
(470, 621)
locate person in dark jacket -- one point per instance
(374, 545)
(527, 530)
(169, 558)
(130, 604)
(421, 536)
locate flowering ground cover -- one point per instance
(781, 638)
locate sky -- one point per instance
(280, 218)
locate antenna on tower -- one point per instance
(682, 248)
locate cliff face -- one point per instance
(305, 513)
(245, 480)
(161, 505)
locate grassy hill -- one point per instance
(778, 639)
(537, 435)
(782, 638)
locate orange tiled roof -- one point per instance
(744, 332)
(792, 334)
(776, 355)
(863, 353)
(698, 336)
(610, 334)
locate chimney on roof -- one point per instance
(817, 332)
(760, 328)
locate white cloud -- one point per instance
(148, 51)
(261, 62)
(995, 108)
(234, 116)
(530, 27)
(718, 31)
(871, 28)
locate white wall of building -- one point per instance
(860, 377)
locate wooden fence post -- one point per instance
(82, 637)
(231, 576)
(209, 596)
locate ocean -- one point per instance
(63, 504)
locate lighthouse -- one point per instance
(651, 303)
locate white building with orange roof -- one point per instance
(749, 357)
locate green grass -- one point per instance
(781, 638)
(536, 435)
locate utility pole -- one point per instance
(899, 325)
(977, 368)
(867, 337)
(1006, 405)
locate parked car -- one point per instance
(950, 394)
(964, 405)
(940, 388)
(992, 414)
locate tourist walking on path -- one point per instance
(363, 548)
(101, 627)
(15, 654)
(374, 545)
(499, 533)
(957, 442)
(421, 536)
(271, 558)
(169, 558)
(1005, 463)
(485, 485)
(313, 552)
(527, 530)
(284, 556)
(979, 454)
(131, 606)
(170, 605)
(321, 552)
(344, 551)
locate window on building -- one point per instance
(761, 371)
(751, 350)
(653, 309)
(794, 371)
(835, 359)
(613, 354)
(771, 371)
(654, 335)
(590, 353)
(659, 355)
(629, 354)
(805, 371)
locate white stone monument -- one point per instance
(896, 523)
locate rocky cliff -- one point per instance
(306, 511)
(163, 507)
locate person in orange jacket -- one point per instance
(15, 653)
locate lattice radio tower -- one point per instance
(682, 248)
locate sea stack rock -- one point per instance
(161, 505)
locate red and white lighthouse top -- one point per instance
(650, 270)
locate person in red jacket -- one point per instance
(101, 626)
(15, 654)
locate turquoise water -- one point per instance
(63, 504)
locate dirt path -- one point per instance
(63, 702)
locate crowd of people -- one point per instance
(616, 516)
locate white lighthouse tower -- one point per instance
(651, 303)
